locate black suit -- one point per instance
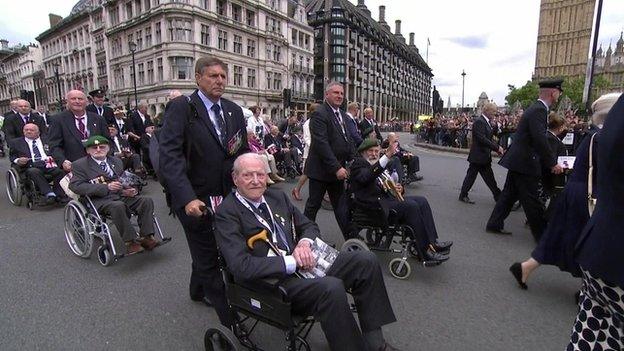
(124, 128)
(353, 130)
(13, 126)
(65, 139)
(524, 159)
(119, 147)
(480, 158)
(36, 170)
(138, 127)
(280, 144)
(325, 297)
(366, 128)
(330, 150)
(105, 112)
(198, 166)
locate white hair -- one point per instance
(237, 167)
(602, 106)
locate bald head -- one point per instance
(31, 131)
(23, 107)
(76, 102)
(174, 94)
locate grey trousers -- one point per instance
(119, 211)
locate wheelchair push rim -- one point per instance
(13, 190)
(354, 245)
(220, 338)
(77, 229)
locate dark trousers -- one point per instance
(488, 177)
(206, 278)
(336, 191)
(326, 299)
(120, 210)
(413, 165)
(525, 188)
(416, 212)
(37, 175)
(132, 161)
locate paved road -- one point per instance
(52, 300)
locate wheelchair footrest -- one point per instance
(431, 263)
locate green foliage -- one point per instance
(526, 95)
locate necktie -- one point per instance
(81, 128)
(221, 123)
(105, 168)
(339, 119)
(281, 237)
(99, 109)
(35, 150)
(25, 119)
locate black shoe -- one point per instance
(516, 206)
(466, 199)
(516, 270)
(203, 299)
(435, 256)
(497, 231)
(417, 178)
(441, 246)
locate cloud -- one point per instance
(524, 56)
(471, 42)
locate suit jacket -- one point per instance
(234, 224)
(18, 147)
(14, 125)
(65, 139)
(85, 169)
(330, 148)
(137, 123)
(126, 128)
(529, 151)
(601, 245)
(206, 170)
(122, 142)
(364, 186)
(353, 130)
(108, 113)
(277, 140)
(366, 126)
(482, 144)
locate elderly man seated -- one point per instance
(31, 154)
(253, 208)
(120, 148)
(367, 175)
(403, 157)
(98, 176)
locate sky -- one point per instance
(493, 41)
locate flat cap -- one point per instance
(97, 92)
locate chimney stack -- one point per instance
(382, 14)
(397, 28)
(361, 3)
(411, 39)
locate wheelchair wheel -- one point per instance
(77, 229)
(354, 245)
(373, 237)
(105, 256)
(399, 268)
(13, 187)
(221, 338)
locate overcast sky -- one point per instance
(494, 41)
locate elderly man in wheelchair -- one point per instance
(286, 251)
(32, 170)
(375, 192)
(99, 177)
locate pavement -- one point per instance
(53, 300)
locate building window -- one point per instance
(101, 68)
(137, 6)
(161, 75)
(238, 44)
(205, 34)
(251, 48)
(129, 11)
(148, 4)
(114, 15)
(277, 53)
(277, 82)
(141, 75)
(222, 40)
(251, 78)
(222, 8)
(180, 30)
(130, 40)
(150, 72)
(158, 36)
(181, 67)
(294, 37)
(274, 4)
(269, 80)
(148, 37)
(238, 76)
(205, 4)
(118, 77)
(251, 18)
(139, 39)
(269, 51)
(237, 13)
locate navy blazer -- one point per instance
(482, 144)
(529, 151)
(601, 246)
(65, 139)
(107, 113)
(196, 164)
(353, 130)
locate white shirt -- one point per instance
(99, 109)
(29, 142)
(120, 123)
(545, 104)
(142, 117)
(116, 140)
(211, 114)
(307, 138)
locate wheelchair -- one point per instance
(381, 234)
(19, 188)
(82, 223)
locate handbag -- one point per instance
(591, 200)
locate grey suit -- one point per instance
(83, 182)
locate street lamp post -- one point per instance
(58, 85)
(132, 45)
(463, 74)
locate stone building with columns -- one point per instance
(20, 75)
(254, 38)
(610, 65)
(378, 68)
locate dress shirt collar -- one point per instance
(207, 102)
(83, 116)
(255, 204)
(545, 104)
(29, 141)
(486, 119)
(99, 161)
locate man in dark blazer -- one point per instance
(480, 156)
(98, 107)
(524, 160)
(253, 208)
(120, 148)
(331, 149)
(30, 153)
(41, 110)
(201, 137)
(351, 122)
(71, 128)
(369, 127)
(98, 176)
(140, 119)
(14, 123)
(282, 152)
(367, 173)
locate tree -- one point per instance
(526, 95)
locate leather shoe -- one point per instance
(466, 199)
(439, 246)
(133, 247)
(516, 206)
(497, 231)
(435, 256)
(516, 271)
(203, 299)
(148, 242)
